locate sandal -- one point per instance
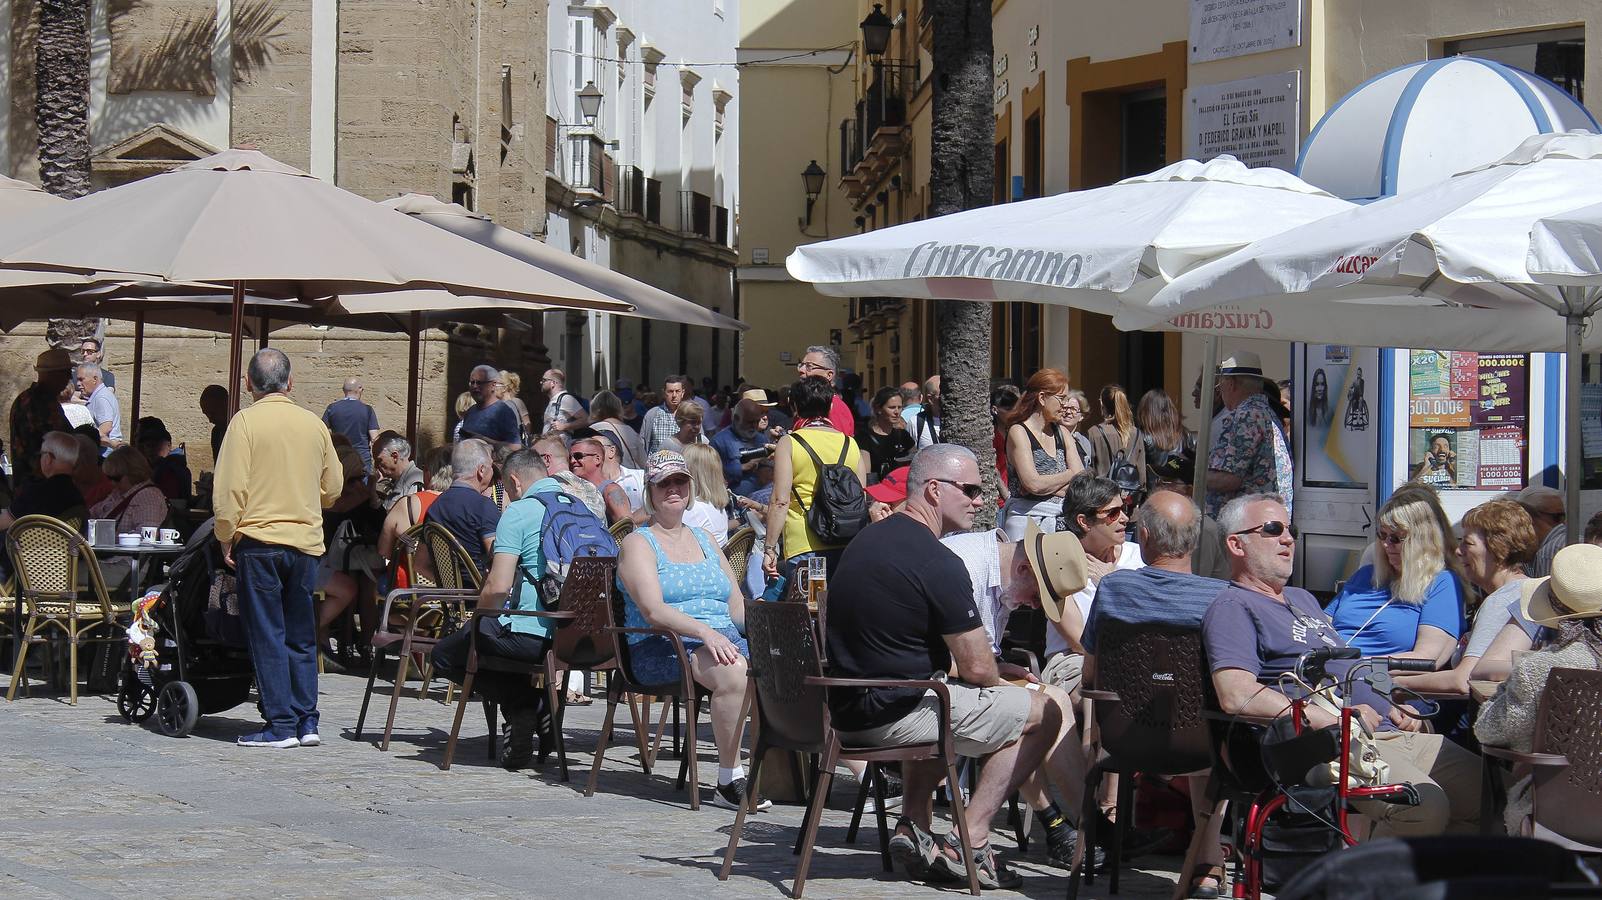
(579, 698)
(992, 871)
(913, 848)
(1199, 888)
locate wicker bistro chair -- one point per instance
(1566, 760)
(431, 612)
(738, 550)
(1148, 705)
(621, 529)
(791, 712)
(579, 642)
(625, 686)
(51, 560)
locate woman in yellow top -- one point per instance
(795, 477)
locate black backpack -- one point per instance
(839, 504)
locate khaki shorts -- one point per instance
(1064, 670)
(983, 720)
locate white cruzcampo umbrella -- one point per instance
(242, 219)
(1449, 266)
(18, 197)
(1104, 250)
(1097, 249)
(648, 302)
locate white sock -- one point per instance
(729, 776)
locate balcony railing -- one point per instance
(885, 103)
(851, 148)
(695, 214)
(588, 165)
(631, 190)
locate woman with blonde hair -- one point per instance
(710, 507)
(464, 402)
(135, 501)
(511, 387)
(688, 417)
(1409, 602)
(1041, 457)
(1117, 435)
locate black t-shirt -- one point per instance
(886, 452)
(897, 594)
(53, 496)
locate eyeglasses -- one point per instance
(1060, 398)
(971, 491)
(1392, 538)
(578, 456)
(1113, 512)
(1271, 529)
(813, 367)
(474, 382)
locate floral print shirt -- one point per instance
(1251, 445)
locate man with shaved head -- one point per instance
(355, 420)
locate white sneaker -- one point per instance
(310, 739)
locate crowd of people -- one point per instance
(1096, 523)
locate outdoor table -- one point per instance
(143, 555)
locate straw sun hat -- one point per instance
(1573, 591)
(1058, 562)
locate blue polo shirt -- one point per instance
(355, 420)
(469, 516)
(729, 446)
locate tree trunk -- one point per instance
(962, 162)
(61, 74)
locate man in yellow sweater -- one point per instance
(276, 474)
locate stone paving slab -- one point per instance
(95, 807)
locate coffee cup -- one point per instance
(128, 539)
(169, 535)
(149, 533)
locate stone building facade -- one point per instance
(382, 97)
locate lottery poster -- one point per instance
(1468, 419)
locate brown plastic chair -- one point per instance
(791, 712)
(51, 560)
(738, 551)
(579, 642)
(624, 685)
(431, 613)
(1566, 759)
(1148, 705)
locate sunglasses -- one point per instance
(578, 456)
(1112, 512)
(971, 491)
(1392, 538)
(1270, 529)
(474, 382)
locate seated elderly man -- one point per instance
(1165, 592)
(1005, 575)
(399, 475)
(901, 606)
(462, 508)
(517, 546)
(1093, 509)
(1257, 628)
(56, 495)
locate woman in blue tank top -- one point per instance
(674, 577)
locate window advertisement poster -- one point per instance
(1468, 419)
(1337, 397)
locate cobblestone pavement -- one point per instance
(95, 807)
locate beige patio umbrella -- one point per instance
(648, 302)
(21, 197)
(242, 219)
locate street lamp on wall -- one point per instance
(876, 30)
(589, 100)
(812, 179)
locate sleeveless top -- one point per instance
(700, 589)
(1045, 463)
(425, 499)
(798, 538)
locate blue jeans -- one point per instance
(275, 603)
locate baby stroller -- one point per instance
(187, 654)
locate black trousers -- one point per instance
(509, 689)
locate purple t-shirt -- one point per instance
(1246, 630)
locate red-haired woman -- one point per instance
(1041, 456)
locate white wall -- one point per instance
(113, 117)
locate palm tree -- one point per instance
(961, 164)
(61, 72)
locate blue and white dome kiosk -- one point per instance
(1368, 420)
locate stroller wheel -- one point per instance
(177, 708)
(135, 700)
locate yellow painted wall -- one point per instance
(789, 115)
